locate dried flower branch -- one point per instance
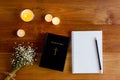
(24, 55)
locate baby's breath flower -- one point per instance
(24, 55)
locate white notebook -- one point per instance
(84, 52)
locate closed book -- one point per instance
(54, 52)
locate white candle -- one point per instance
(56, 21)
(27, 15)
(48, 17)
(20, 33)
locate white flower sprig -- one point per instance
(24, 55)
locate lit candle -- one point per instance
(20, 33)
(48, 17)
(27, 15)
(55, 20)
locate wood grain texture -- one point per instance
(75, 15)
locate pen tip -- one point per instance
(101, 71)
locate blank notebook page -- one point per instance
(84, 53)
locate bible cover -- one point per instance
(54, 52)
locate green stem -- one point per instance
(12, 72)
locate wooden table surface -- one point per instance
(76, 15)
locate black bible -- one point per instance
(54, 52)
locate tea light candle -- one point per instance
(55, 20)
(20, 33)
(27, 15)
(48, 17)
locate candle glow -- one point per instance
(20, 33)
(27, 15)
(48, 17)
(55, 20)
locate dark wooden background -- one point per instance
(76, 15)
